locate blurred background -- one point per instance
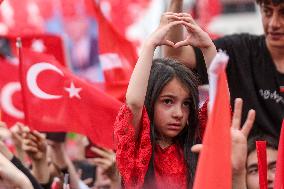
(135, 19)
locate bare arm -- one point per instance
(184, 51)
(184, 54)
(136, 91)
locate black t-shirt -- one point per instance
(253, 77)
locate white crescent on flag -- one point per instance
(6, 100)
(32, 75)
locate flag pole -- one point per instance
(21, 74)
(262, 163)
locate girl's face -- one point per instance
(171, 109)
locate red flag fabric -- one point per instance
(10, 95)
(279, 175)
(214, 168)
(262, 163)
(206, 10)
(18, 17)
(123, 14)
(42, 43)
(57, 100)
(117, 55)
(114, 89)
(11, 99)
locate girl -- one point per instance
(154, 141)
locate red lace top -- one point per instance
(133, 156)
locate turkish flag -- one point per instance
(42, 43)
(123, 14)
(117, 55)
(114, 89)
(214, 168)
(57, 100)
(10, 93)
(21, 17)
(279, 175)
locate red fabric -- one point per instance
(123, 14)
(207, 10)
(203, 117)
(114, 89)
(133, 156)
(279, 175)
(262, 163)
(89, 112)
(10, 98)
(117, 55)
(28, 20)
(52, 44)
(216, 152)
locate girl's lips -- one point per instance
(174, 126)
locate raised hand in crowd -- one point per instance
(61, 161)
(239, 136)
(11, 177)
(239, 144)
(5, 151)
(34, 144)
(106, 173)
(4, 131)
(17, 131)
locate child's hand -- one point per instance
(168, 20)
(196, 36)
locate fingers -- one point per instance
(3, 124)
(191, 27)
(237, 116)
(249, 123)
(168, 43)
(196, 148)
(101, 152)
(182, 43)
(187, 18)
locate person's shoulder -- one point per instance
(238, 40)
(241, 37)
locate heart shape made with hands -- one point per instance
(195, 36)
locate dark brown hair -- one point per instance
(162, 72)
(267, 2)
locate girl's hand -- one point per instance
(196, 36)
(168, 20)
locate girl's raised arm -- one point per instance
(136, 91)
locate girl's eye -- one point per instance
(186, 103)
(167, 101)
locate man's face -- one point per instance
(252, 169)
(273, 24)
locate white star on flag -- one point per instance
(73, 91)
(38, 46)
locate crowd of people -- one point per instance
(158, 130)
